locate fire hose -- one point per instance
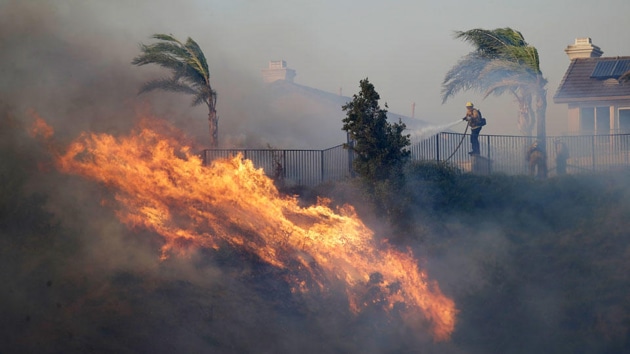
(458, 145)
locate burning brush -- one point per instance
(160, 185)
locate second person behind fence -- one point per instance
(562, 155)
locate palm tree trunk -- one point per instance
(526, 116)
(213, 123)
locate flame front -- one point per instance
(160, 185)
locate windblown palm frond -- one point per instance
(497, 71)
(204, 96)
(187, 62)
(511, 84)
(197, 59)
(190, 73)
(492, 43)
(463, 76)
(502, 43)
(166, 85)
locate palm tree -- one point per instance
(190, 74)
(502, 62)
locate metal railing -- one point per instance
(507, 154)
(294, 167)
(502, 153)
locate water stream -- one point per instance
(426, 132)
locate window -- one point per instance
(624, 120)
(587, 120)
(602, 120)
(595, 120)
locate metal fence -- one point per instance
(507, 154)
(294, 167)
(501, 153)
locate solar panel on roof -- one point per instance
(610, 69)
(603, 69)
(621, 67)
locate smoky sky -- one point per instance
(406, 62)
(70, 61)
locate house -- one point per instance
(598, 103)
(307, 117)
(278, 70)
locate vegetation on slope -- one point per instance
(533, 266)
(548, 258)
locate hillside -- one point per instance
(532, 266)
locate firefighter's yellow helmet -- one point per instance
(469, 104)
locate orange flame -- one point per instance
(160, 185)
(39, 127)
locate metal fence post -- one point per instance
(437, 147)
(593, 151)
(488, 145)
(284, 164)
(321, 154)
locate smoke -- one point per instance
(70, 61)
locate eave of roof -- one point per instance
(586, 98)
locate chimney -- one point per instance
(583, 48)
(278, 70)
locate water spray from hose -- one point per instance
(429, 131)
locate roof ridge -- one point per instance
(619, 57)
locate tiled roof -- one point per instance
(578, 85)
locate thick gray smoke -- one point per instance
(70, 61)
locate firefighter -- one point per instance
(475, 122)
(537, 161)
(562, 155)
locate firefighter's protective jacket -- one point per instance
(473, 117)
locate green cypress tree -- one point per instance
(380, 148)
